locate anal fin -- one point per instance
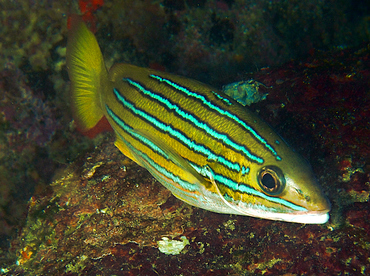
(122, 146)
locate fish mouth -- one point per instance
(308, 217)
(305, 217)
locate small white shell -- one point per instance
(172, 247)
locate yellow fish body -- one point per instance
(210, 151)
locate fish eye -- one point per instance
(271, 179)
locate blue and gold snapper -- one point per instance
(206, 148)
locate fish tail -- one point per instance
(88, 75)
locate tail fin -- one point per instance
(88, 75)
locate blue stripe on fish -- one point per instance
(209, 104)
(227, 101)
(245, 170)
(196, 122)
(161, 170)
(129, 130)
(175, 133)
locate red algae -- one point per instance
(87, 8)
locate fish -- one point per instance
(206, 148)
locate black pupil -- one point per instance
(268, 181)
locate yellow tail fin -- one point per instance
(88, 75)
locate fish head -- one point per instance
(287, 190)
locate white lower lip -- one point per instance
(304, 217)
